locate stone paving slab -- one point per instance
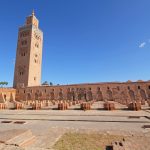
(22, 140)
(48, 139)
(17, 137)
(5, 136)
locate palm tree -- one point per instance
(45, 83)
(50, 83)
(3, 83)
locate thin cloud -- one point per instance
(13, 61)
(142, 45)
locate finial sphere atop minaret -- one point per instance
(33, 12)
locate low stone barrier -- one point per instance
(136, 106)
(77, 102)
(86, 106)
(47, 104)
(74, 103)
(63, 106)
(142, 102)
(109, 106)
(36, 106)
(2, 106)
(55, 102)
(92, 102)
(19, 106)
(70, 103)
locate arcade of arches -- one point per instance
(120, 92)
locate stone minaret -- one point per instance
(29, 54)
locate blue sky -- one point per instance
(84, 40)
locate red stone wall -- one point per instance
(120, 92)
(7, 94)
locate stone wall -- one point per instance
(7, 94)
(115, 91)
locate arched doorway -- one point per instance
(79, 96)
(60, 95)
(89, 96)
(48, 96)
(109, 95)
(73, 95)
(36, 96)
(143, 94)
(69, 95)
(5, 97)
(99, 96)
(52, 96)
(132, 95)
(28, 96)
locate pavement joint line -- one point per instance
(78, 120)
(147, 117)
(72, 115)
(148, 111)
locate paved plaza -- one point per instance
(48, 126)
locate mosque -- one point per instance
(27, 77)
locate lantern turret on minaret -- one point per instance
(32, 20)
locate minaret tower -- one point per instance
(29, 54)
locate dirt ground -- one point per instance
(99, 141)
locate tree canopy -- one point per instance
(2, 83)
